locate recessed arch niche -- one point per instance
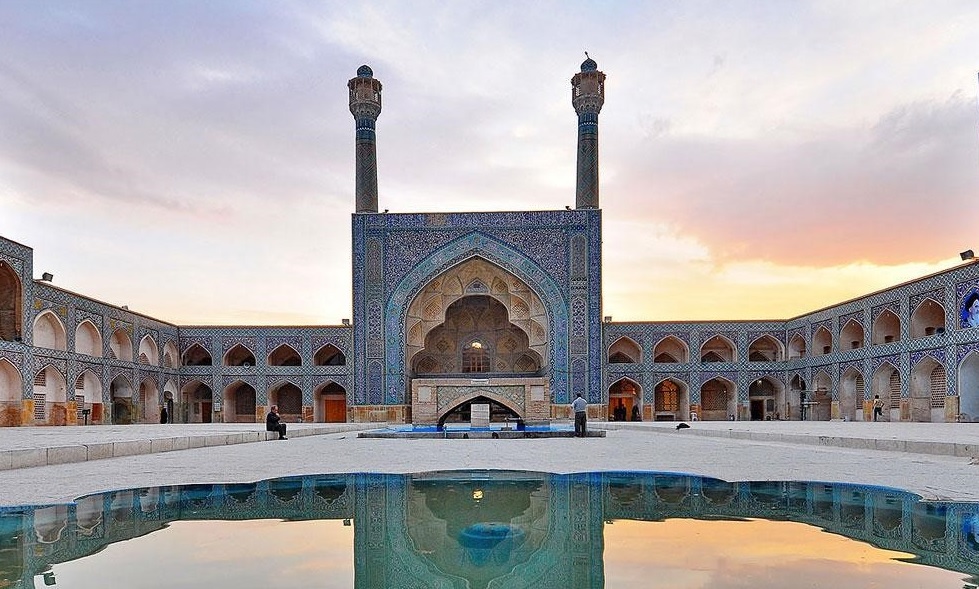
(489, 304)
(11, 303)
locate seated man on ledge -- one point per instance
(273, 422)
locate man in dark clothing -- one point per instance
(273, 422)
(164, 414)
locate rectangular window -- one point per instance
(40, 407)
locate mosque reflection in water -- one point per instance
(484, 529)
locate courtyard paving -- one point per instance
(41, 465)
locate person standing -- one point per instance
(273, 422)
(878, 407)
(164, 414)
(580, 408)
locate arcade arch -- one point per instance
(196, 400)
(763, 399)
(927, 319)
(852, 395)
(671, 349)
(329, 355)
(149, 353)
(239, 403)
(11, 304)
(797, 347)
(671, 400)
(765, 349)
(821, 402)
(886, 328)
(822, 342)
(624, 351)
(718, 400)
(623, 395)
(239, 355)
(330, 403)
(121, 346)
(717, 349)
(147, 409)
(285, 355)
(289, 398)
(49, 332)
(11, 393)
(927, 388)
(887, 384)
(461, 412)
(851, 336)
(170, 356)
(50, 395)
(88, 340)
(968, 387)
(196, 355)
(123, 407)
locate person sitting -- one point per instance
(273, 422)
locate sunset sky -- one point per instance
(759, 160)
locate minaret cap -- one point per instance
(589, 65)
(365, 71)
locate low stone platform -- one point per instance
(475, 434)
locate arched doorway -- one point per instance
(762, 400)
(123, 408)
(148, 408)
(821, 402)
(797, 396)
(718, 400)
(11, 392)
(50, 397)
(239, 403)
(625, 401)
(887, 385)
(671, 401)
(289, 398)
(196, 403)
(331, 404)
(852, 395)
(927, 389)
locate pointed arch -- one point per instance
(88, 395)
(147, 408)
(671, 349)
(171, 359)
(852, 395)
(928, 318)
(765, 348)
(887, 384)
(797, 347)
(196, 403)
(285, 355)
(926, 390)
(718, 399)
(149, 353)
(239, 402)
(50, 394)
(671, 400)
(851, 336)
(330, 404)
(239, 355)
(886, 328)
(11, 304)
(88, 339)
(821, 408)
(764, 394)
(624, 350)
(121, 393)
(196, 355)
(329, 355)
(49, 332)
(822, 341)
(624, 394)
(968, 386)
(499, 406)
(289, 397)
(11, 392)
(718, 349)
(121, 345)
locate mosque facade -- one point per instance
(497, 308)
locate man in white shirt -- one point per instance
(579, 406)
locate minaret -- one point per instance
(588, 96)
(365, 106)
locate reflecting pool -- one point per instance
(495, 529)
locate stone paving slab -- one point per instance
(741, 451)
